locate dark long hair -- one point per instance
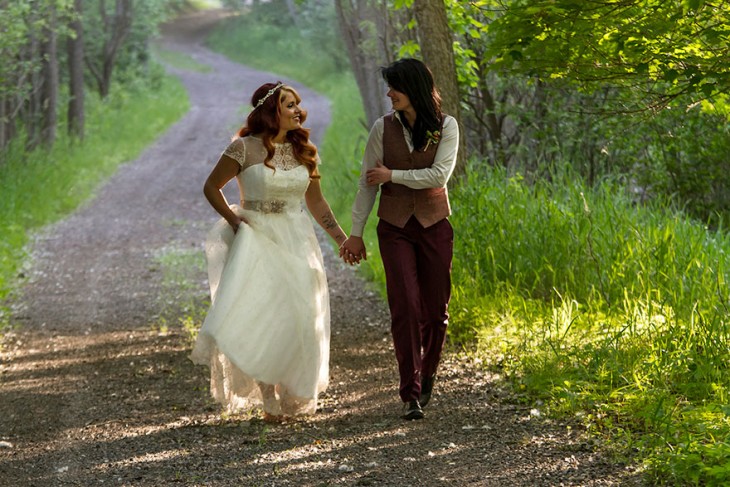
(413, 78)
(263, 121)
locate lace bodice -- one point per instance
(263, 188)
(250, 150)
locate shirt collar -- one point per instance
(406, 132)
(398, 116)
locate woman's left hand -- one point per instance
(237, 222)
(378, 175)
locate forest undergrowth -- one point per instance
(42, 186)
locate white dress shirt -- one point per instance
(435, 176)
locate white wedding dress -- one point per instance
(266, 336)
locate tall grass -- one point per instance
(178, 60)
(44, 185)
(604, 310)
(267, 40)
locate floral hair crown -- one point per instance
(268, 94)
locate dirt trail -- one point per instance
(92, 394)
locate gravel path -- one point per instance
(91, 393)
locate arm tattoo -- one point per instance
(328, 220)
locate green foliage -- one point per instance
(133, 55)
(15, 32)
(179, 60)
(665, 49)
(265, 39)
(684, 155)
(469, 22)
(204, 4)
(20, 21)
(677, 153)
(69, 173)
(544, 86)
(605, 310)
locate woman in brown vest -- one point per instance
(410, 155)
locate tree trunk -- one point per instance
(19, 64)
(293, 13)
(4, 126)
(117, 26)
(49, 80)
(30, 111)
(75, 46)
(366, 53)
(437, 47)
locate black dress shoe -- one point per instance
(412, 410)
(426, 389)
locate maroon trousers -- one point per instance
(417, 264)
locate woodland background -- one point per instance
(591, 200)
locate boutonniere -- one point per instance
(432, 138)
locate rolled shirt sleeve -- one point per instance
(365, 198)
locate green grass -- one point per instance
(179, 60)
(257, 40)
(43, 186)
(610, 312)
(204, 4)
(180, 301)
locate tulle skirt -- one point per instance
(266, 336)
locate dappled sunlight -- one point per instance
(148, 459)
(150, 417)
(206, 4)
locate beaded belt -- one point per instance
(266, 206)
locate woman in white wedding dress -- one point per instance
(266, 335)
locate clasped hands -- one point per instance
(353, 250)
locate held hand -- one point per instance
(353, 250)
(237, 222)
(378, 175)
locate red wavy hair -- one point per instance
(264, 123)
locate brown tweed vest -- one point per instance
(398, 202)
